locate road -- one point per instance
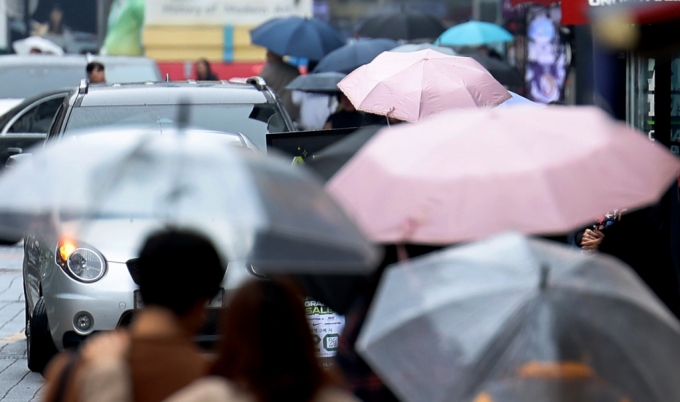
(16, 382)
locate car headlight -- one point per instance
(80, 261)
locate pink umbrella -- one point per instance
(466, 175)
(411, 86)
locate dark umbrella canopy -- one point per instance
(500, 70)
(402, 26)
(317, 82)
(331, 159)
(299, 37)
(354, 55)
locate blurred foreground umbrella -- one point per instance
(451, 325)
(26, 46)
(317, 82)
(353, 55)
(468, 174)
(331, 159)
(412, 47)
(295, 36)
(502, 71)
(412, 86)
(274, 216)
(402, 25)
(474, 33)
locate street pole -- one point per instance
(27, 17)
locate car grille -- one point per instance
(133, 268)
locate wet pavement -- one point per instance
(17, 383)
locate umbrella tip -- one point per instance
(545, 271)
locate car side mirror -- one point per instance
(17, 159)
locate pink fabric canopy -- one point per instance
(415, 85)
(468, 174)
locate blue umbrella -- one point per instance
(354, 55)
(474, 33)
(296, 36)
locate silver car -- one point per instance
(75, 287)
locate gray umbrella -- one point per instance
(257, 208)
(452, 325)
(318, 82)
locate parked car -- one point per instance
(24, 77)
(65, 301)
(43, 81)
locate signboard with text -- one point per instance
(223, 12)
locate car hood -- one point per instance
(117, 239)
(121, 239)
(7, 104)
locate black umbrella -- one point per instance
(499, 69)
(317, 82)
(327, 162)
(402, 26)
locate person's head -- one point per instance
(180, 271)
(203, 70)
(95, 72)
(345, 103)
(273, 57)
(56, 20)
(286, 369)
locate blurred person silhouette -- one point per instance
(266, 354)
(277, 74)
(95, 73)
(204, 71)
(346, 117)
(55, 29)
(314, 107)
(178, 273)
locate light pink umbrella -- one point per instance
(412, 86)
(468, 174)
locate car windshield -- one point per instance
(28, 81)
(253, 121)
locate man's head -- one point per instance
(95, 73)
(179, 270)
(273, 57)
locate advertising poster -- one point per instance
(546, 67)
(326, 328)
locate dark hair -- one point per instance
(56, 29)
(94, 66)
(267, 347)
(178, 269)
(209, 75)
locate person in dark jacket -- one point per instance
(204, 71)
(346, 117)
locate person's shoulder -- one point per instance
(334, 394)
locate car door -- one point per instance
(28, 127)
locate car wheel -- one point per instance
(39, 345)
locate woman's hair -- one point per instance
(52, 28)
(267, 347)
(208, 69)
